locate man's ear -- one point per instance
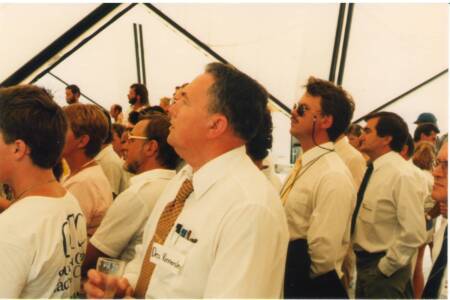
(387, 140)
(326, 121)
(83, 141)
(20, 149)
(217, 125)
(150, 148)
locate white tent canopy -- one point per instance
(392, 48)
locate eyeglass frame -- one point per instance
(442, 163)
(136, 137)
(301, 108)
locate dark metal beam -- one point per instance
(84, 41)
(205, 47)
(69, 36)
(348, 24)
(403, 95)
(141, 42)
(136, 50)
(337, 42)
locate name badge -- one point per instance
(167, 258)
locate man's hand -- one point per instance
(95, 285)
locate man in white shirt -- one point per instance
(153, 161)
(437, 283)
(320, 196)
(227, 237)
(88, 128)
(138, 99)
(43, 232)
(388, 224)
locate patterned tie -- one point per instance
(360, 197)
(431, 290)
(165, 224)
(287, 187)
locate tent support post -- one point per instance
(345, 43)
(136, 49)
(141, 42)
(337, 42)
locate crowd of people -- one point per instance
(183, 194)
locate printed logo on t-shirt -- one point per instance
(72, 229)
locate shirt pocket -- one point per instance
(367, 213)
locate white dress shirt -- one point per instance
(112, 166)
(238, 221)
(319, 208)
(272, 177)
(391, 216)
(352, 158)
(437, 245)
(123, 225)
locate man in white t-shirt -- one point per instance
(153, 161)
(88, 128)
(43, 232)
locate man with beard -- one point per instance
(72, 94)
(153, 161)
(138, 99)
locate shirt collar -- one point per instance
(387, 158)
(315, 152)
(213, 170)
(152, 174)
(104, 152)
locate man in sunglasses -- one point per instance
(319, 195)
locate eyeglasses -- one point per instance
(442, 163)
(300, 109)
(136, 137)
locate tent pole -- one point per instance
(207, 49)
(345, 43)
(141, 42)
(84, 41)
(337, 42)
(402, 95)
(136, 49)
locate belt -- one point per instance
(365, 255)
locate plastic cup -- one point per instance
(113, 269)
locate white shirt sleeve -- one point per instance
(330, 222)
(412, 225)
(15, 265)
(240, 268)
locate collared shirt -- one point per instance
(272, 177)
(123, 225)
(319, 208)
(352, 158)
(437, 245)
(91, 188)
(112, 166)
(391, 216)
(238, 235)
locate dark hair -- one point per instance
(335, 102)
(391, 124)
(410, 144)
(238, 97)
(158, 129)
(118, 129)
(425, 128)
(118, 108)
(258, 147)
(28, 113)
(150, 109)
(133, 117)
(354, 129)
(109, 136)
(74, 88)
(141, 91)
(58, 170)
(88, 119)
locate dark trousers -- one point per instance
(298, 284)
(371, 283)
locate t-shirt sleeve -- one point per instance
(15, 264)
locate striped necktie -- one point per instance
(165, 224)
